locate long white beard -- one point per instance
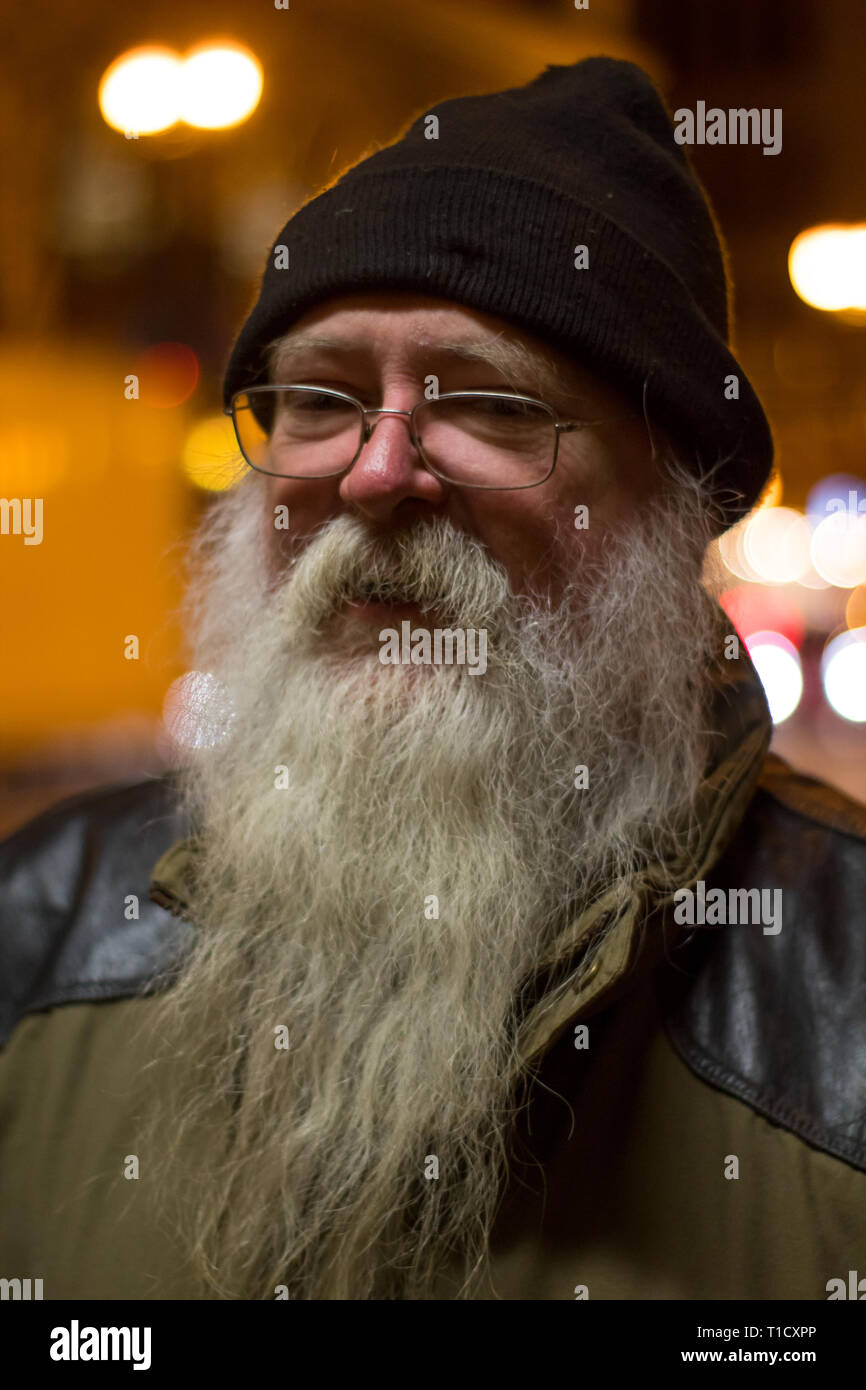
(387, 905)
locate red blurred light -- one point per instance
(753, 608)
(168, 374)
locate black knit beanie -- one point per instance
(491, 212)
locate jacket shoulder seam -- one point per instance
(61, 938)
(813, 815)
(771, 1108)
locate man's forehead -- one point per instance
(427, 343)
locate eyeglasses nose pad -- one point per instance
(369, 427)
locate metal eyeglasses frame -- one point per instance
(560, 427)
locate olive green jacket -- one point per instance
(697, 1117)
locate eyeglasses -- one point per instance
(479, 439)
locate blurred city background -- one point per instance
(139, 201)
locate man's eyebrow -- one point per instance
(293, 346)
(516, 362)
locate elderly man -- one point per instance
(434, 977)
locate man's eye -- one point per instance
(505, 406)
(317, 402)
(298, 404)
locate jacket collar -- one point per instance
(596, 955)
(742, 720)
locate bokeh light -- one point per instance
(778, 666)
(733, 552)
(835, 493)
(167, 374)
(140, 91)
(752, 608)
(776, 544)
(811, 579)
(36, 457)
(149, 89)
(827, 266)
(211, 457)
(855, 608)
(220, 86)
(843, 673)
(839, 549)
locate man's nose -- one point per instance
(389, 468)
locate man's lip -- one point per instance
(376, 611)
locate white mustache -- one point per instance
(433, 565)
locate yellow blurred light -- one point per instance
(211, 458)
(827, 266)
(773, 495)
(855, 608)
(776, 544)
(149, 89)
(113, 498)
(139, 93)
(221, 86)
(36, 457)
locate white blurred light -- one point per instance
(139, 92)
(776, 544)
(811, 579)
(839, 549)
(220, 86)
(197, 711)
(835, 492)
(843, 672)
(778, 665)
(827, 266)
(733, 552)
